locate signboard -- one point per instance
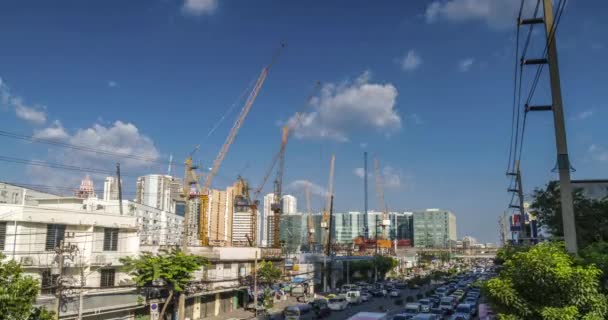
(154, 315)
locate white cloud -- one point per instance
(389, 176)
(33, 114)
(343, 108)
(120, 137)
(112, 84)
(498, 14)
(584, 115)
(363, 145)
(301, 185)
(466, 64)
(598, 153)
(54, 132)
(410, 61)
(199, 7)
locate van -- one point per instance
(299, 312)
(354, 297)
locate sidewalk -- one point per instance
(275, 312)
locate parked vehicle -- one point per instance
(465, 309)
(395, 293)
(366, 296)
(427, 316)
(411, 309)
(472, 301)
(337, 304)
(369, 316)
(320, 308)
(299, 312)
(348, 287)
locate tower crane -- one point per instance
(310, 224)
(276, 206)
(385, 219)
(204, 193)
(330, 192)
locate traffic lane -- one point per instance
(374, 305)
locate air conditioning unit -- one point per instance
(100, 259)
(27, 261)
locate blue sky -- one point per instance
(424, 86)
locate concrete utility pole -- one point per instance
(255, 283)
(119, 188)
(563, 162)
(59, 281)
(365, 222)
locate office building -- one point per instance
(264, 220)
(291, 232)
(434, 228)
(110, 189)
(158, 191)
(289, 204)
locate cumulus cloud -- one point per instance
(498, 14)
(119, 137)
(389, 176)
(343, 108)
(199, 7)
(301, 185)
(410, 61)
(598, 153)
(466, 64)
(33, 114)
(112, 84)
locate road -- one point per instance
(375, 304)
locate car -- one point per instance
(299, 312)
(411, 309)
(400, 285)
(354, 297)
(377, 293)
(448, 304)
(465, 309)
(426, 316)
(369, 316)
(320, 307)
(471, 300)
(366, 296)
(425, 305)
(435, 298)
(441, 291)
(395, 293)
(337, 304)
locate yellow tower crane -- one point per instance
(383, 242)
(325, 223)
(204, 193)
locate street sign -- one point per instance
(154, 315)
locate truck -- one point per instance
(369, 316)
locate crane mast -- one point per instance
(226, 146)
(385, 219)
(310, 224)
(276, 206)
(330, 192)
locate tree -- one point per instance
(268, 273)
(384, 264)
(543, 282)
(173, 268)
(597, 254)
(591, 215)
(18, 293)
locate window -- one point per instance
(2, 235)
(110, 239)
(54, 235)
(49, 282)
(107, 278)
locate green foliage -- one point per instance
(544, 283)
(268, 273)
(268, 298)
(40, 313)
(18, 293)
(174, 267)
(597, 254)
(384, 264)
(591, 215)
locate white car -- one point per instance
(337, 304)
(354, 297)
(395, 293)
(366, 296)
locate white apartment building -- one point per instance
(158, 191)
(94, 238)
(264, 218)
(290, 204)
(110, 189)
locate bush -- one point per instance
(409, 299)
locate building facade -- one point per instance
(292, 232)
(159, 191)
(592, 189)
(290, 204)
(434, 228)
(110, 189)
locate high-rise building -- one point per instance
(434, 228)
(218, 216)
(110, 189)
(264, 219)
(159, 191)
(289, 204)
(347, 226)
(291, 232)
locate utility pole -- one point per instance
(523, 233)
(365, 222)
(119, 187)
(563, 162)
(59, 280)
(255, 283)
